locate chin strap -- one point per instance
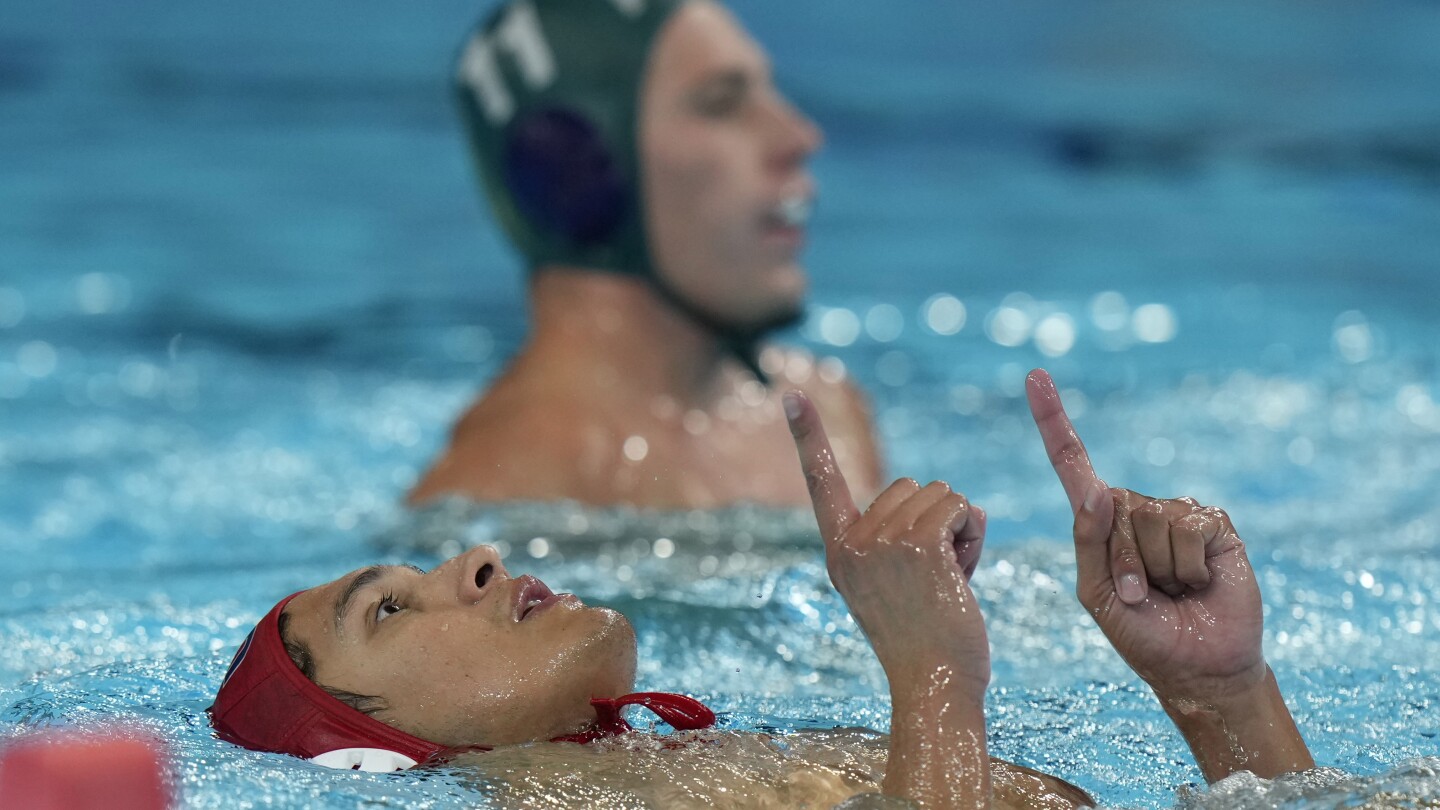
(743, 346)
(681, 712)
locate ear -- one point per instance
(563, 176)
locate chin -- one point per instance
(779, 314)
(610, 656)
(787, 296)
(555, 699)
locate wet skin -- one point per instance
(903, 567)
(611, 360)
(722, 150)
(1169, 583)
(466, 654)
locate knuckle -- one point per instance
(1126, 557)
(899, 488)
(1150, 509)
(1192, 522)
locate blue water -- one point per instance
(245, 283)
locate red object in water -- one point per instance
(82, 772)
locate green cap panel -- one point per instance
(587, 58)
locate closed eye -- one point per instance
(721, 95)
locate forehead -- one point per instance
(700, 38)
(309, 610)
(312, 612)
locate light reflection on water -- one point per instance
(152, 541)
(220, 363)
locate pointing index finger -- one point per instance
(1066, 451)
(834, 508)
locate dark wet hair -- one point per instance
(305, 662)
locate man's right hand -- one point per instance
(1167, 580)
(1169, 583)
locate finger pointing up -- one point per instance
(1067, 452)
(834, 508)
(1090, 498)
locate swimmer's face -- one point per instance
(465, 655)
(722, 151)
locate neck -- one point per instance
(616, 335)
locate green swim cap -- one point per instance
(550, 94)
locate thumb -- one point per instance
(1093, 522)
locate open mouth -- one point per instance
(791, 212)
(531, 596)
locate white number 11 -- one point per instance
(518, 33)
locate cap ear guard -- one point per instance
(370, 760)
(562, 176)
(549, 92)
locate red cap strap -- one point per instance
(682, 712)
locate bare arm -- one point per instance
(901, 568)
(1169, 583)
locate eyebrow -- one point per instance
(367, 576)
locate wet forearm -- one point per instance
(1249, 730)
(938, 756)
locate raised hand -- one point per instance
(903, 565)
(1170, 585)
(902, 568)
(1167, 580)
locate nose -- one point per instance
(797, 137)
(476, 573)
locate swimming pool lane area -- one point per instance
(246, 284)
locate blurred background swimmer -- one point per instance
(642, 160)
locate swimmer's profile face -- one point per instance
(465, 654)
(725, 183)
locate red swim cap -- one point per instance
(266, 703)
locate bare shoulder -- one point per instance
(513, 450)
(1019, 786)
(824, 379)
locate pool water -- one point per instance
(245, 285)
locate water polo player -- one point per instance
(639, 156)
(388, 667)
(422, 667)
